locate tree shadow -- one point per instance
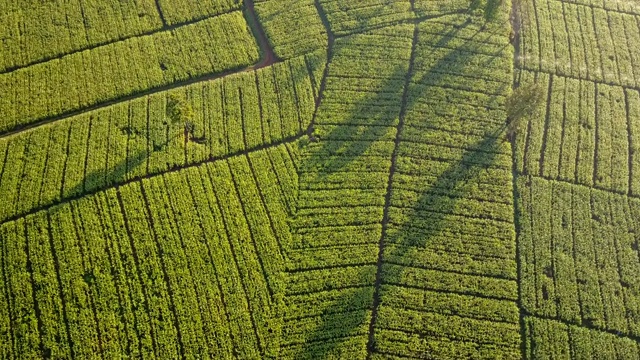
(438, 202)
(335, 156)
(119, 174)
(453, 63)
(453, 180)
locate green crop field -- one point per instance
(320, 179)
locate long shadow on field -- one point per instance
(352, 309)
(121, 172)
(360, 114)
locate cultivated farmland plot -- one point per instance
(320, 179)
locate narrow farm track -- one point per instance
(164, 21)
(516, 24)
(630, 146)
(268, 58)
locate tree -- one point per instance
(180, 113)
(522, 103)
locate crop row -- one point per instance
(397, 345)
(546, 339)
(439, 7)
(504, 336)
(137, 138)
(621, 6)
(450, 234)
(278, 17)
(182, 11)
(346, 17)
(579, 255)
(179, 265)
(38, 32)
(366, 128)
(343, 175)
(580, 42)
(586, 134)
(450, 230)
(33, 32)
(113, 71)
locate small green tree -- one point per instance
(180, 113)
(522, 103)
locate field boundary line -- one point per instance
(547, 119)
(579, 137)
(596, 129)
(517, 23)
(160, 13)
(629, 144)
(87, 148)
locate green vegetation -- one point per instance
(522, 103)
(569, 341)
(129, 140)
(107, 72)
(179, 114)
(320, 179)
(577, 179)
(180, 11)
(280, 17)
(584, 247)
(134, 276)
(584, 135)
(38, 31)
(582, 41)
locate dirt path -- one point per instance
(268, 56)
